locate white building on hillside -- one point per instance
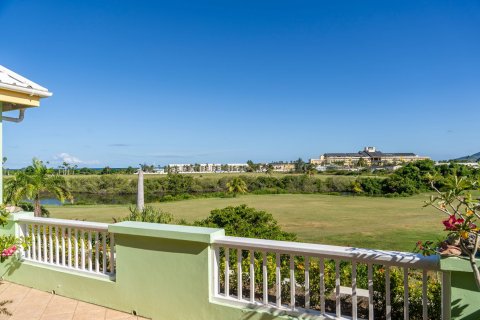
(206, 167)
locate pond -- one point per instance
(93, 199)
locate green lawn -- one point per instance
(380, 223)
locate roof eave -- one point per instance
(29, 91)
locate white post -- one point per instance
(140, 193)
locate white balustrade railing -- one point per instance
(327, 281)
(75, 245)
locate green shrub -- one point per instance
(243, 221)
(148, 214)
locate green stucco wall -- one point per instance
(161, 274)
(465, 296)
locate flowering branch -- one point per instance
(463, 213)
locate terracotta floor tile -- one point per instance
(87, 307)
(116, 315)
(90, 315)
(20, 314)
(59, 305)
(60, 316)
(4, 286)
(32, 304)
(60, 299)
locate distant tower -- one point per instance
(369, 149)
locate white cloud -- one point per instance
(68, 158)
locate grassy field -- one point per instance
(380, 223)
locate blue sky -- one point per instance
(226, 81)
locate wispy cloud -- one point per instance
(65, 157)
(119, 145)
(180, 155)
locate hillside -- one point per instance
(472, 158)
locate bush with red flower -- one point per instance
(9, 244)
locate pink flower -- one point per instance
(452, 223)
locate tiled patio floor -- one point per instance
(31, 304)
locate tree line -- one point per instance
(411, 179)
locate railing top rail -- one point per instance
(85, 225)
(392, 258)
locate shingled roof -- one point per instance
(358, 154)
(376, 154)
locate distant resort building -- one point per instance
(206, 168)
(370, 156)
(283, 166)
(474, 165)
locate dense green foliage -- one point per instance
(242, 221)
(178, 185)
(148, 214)
(411, 179)
(414, 178)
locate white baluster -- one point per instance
(62, 232)
(405, 294)
(97, 252)
(424, 295)
(252, 276)
(45, 245)
(354, 290)
(69, 243)
(34, 244)
(50, 244)
(104, 252)
(82, 250)
(75, 244)
(216, 268)
(27, 235)
(322, 285)
(39, 243)
(307, 282)
(387, 293)
(278, 281)
(227, 272)
(89, 247)
(292, 282)
(239, 274)
(265, 279)
(370, 292)
(57, 249)
(338, 307)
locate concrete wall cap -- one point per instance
(456, 264)
(167, 231)
(18, 215)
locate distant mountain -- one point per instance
(473, 158)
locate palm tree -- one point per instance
(32, 184)
(269, 169)
(4, 159)
(236, 186)
(66, 165)
(310, 170)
